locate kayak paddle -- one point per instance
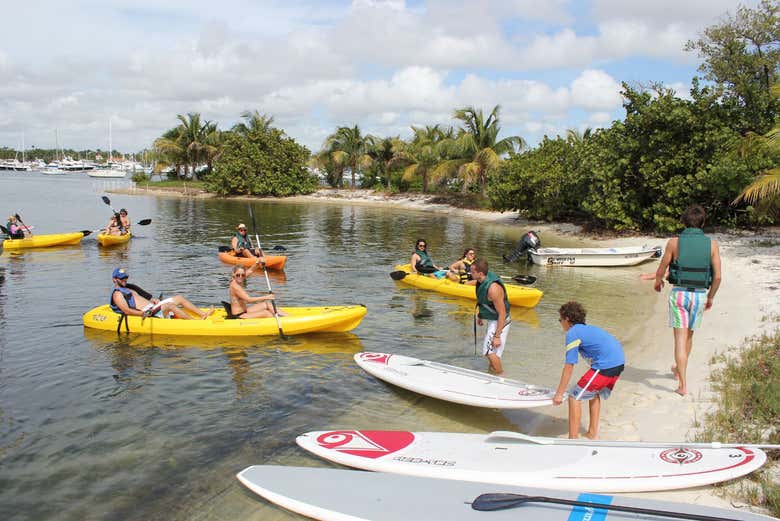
(225, 249)
(265, 272)
(25, 226)
(520, 279)
(490, 502)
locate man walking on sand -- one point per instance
(693, 260)
(606, 363)
(494, 308)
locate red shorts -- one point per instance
(600, 386)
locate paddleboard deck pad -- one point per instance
(453, 384)
(506, 461)
(341, 495)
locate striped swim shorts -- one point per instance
(594, 384)
(686, 307)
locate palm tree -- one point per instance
(383, 151)
(254, 121)
(476, 149)
(170, 151)
(421, 155)
(575, 137)
(349, 147)
(196, 139)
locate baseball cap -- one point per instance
(241, 225)
(119, 273)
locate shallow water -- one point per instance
(96, 426)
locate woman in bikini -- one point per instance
(242, 305)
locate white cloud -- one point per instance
(596, 90)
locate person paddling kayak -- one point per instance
(15, 230)
(241, 244)
(242, 305)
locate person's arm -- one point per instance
(121, 303)
(234, 245)
(716, 276)
(671, 248)
(496, 296)
(456, 266)
(243, 295)
(413, 262)
(563, 383)
(140, 291)
(253, 267)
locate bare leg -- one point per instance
(189, 306)
(683, 342)
(575, 412)
(494, 366)
(594, 407)
(454, 277)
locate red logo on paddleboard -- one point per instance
(681, 456)
(366, 444)
(379, 358)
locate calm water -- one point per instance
(94, 426)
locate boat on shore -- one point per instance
(624, 256)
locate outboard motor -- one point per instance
(530, 241)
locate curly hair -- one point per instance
(573, 312)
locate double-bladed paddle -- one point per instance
(490, 502)
(18, 218)
(520, 279)
(225, 249)
(265, 272)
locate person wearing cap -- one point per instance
(129, 299)
(241, 244)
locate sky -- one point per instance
(70, 68)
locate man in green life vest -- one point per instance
(693, 260)
(493, 307)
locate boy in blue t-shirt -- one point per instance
(606, 363)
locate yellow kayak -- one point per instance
(105, 239)
(332, 319)
(43, 241)
(518, 295)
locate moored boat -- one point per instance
(624, 256)
(300, 320)
(44, 241)
(273, 262)
(517, 295)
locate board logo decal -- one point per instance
(379, 358)
(366, 444)
(681, 456)
(532, 392)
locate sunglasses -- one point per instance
(423, 245)
(240, 275)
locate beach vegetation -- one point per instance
(192, 143)
(347, 149)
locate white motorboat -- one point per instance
(106, 172)
(624, 256)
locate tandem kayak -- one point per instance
(105, 239)
(518, 295)
(330, 319)
(44, 241)
(273, 262)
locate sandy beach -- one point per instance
(644, 406)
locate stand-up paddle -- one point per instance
(25, 226)
(265, 272)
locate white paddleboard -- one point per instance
(453, 384)
(504, 460)
(346, 495)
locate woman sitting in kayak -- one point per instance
(113, 228)
(422, 263)
(240, 300)
(460, 270)
(15, 231)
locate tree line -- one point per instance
(719, 147)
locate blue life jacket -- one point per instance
(129, 297)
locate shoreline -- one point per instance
(644, 405)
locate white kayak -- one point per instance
(505, 459)
(453, 384)
(625, 256)
(346, 495)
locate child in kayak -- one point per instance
(607, 362)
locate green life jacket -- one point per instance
(243, 242)
(486, 309)
(425, 261)
(465, 275)
(693, 266)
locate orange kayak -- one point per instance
(273, 262)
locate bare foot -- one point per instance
(675, 372)
(208, 313)
(681, 391)
(591, 436)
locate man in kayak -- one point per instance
(693, 262)
(460, 270)
(606, 363)
(129, 299)
(242, 305)
(241, 244)
(15, 231)
(422, 263)
(493, 306)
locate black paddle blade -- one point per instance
(397, 275)
(5, 230)
(524, 279)
(144, 222)
(490, 502)
(86, 232)
(106, 200)
(279, 247)
(225, 249)
(18, 218)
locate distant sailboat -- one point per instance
(112, 170)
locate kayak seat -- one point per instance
(228, 311)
